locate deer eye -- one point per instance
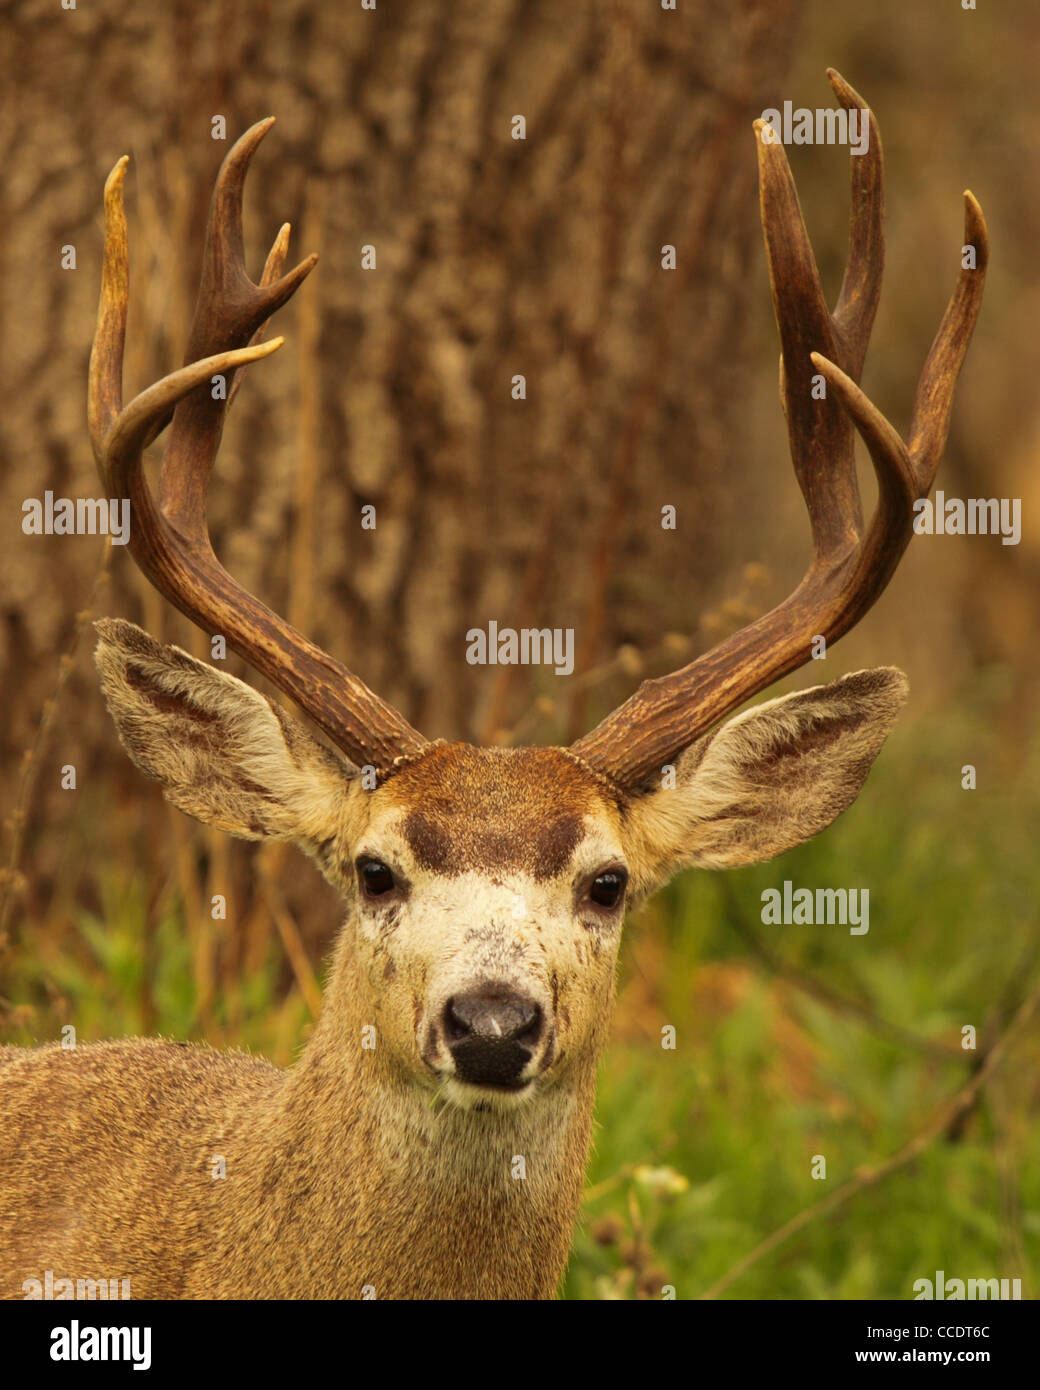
(375, 878)
(606, 889)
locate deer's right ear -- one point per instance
(223, 753)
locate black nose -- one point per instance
(492, 1034)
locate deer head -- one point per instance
(485, 888)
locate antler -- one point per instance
(170, 541)
(849, 570)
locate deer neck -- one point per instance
(395, 1193)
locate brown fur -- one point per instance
(529, 819)
(333, 1183)
(374, 1168)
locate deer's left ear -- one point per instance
(766, 780)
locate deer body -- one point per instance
(431, 1140)
(383, 1168)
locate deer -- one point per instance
(484, 888)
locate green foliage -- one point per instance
(103, 975)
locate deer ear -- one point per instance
(223, 753)
(766, 780)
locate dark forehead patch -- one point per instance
(494, 808)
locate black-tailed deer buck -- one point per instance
(484, 887)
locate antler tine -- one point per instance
(230, 309)
(860, 291)
(905, 472)
(819, 432)
(930, 422)
(170, 541)
(105, 374)
(848, 570)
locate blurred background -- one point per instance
(644, 387)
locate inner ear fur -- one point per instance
(222, 752)
(766, 780)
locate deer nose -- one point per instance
(492, 1033)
